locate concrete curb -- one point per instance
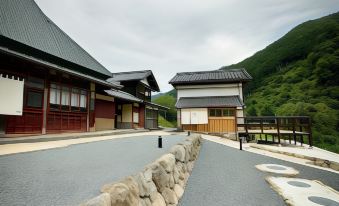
(161, 183)
(314, 160)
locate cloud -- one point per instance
(177, 36)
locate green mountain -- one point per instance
(296, 75)
(299, 75)
(172, 93)
(167, 99)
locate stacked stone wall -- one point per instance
(161, 183)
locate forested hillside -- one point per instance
(167, 99)
(299, 75)
(296, 75)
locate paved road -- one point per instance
(227, 176)
(68, 176)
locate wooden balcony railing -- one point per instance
(276, 126)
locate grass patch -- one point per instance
(164, 123)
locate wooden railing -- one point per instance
(276, 126)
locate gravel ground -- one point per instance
(227, 176)
(71, 175)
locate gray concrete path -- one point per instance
(227, 176)
(73, 174)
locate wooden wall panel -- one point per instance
(221, 125)
(66, 122)
(214, 125)
(104, 109)
(29, 122)
(141, 115)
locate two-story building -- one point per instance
(134, 107)
(50, 84)
(210, 101)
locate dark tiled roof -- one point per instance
(217, 101)
(129, 97)
(217, 76)
(135, 76)
(129, 76)
(123, 95)
(24, 22)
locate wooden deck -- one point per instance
(278, 127)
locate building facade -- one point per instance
(210, 101)
(49, 84)
(136, 111)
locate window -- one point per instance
(218, 113)
(221, 112)
(75, 99)
(34, 91)
(212, 112)
(54, 96)
(228, 112)
(83, 100)
(67, 98)
(34, 98)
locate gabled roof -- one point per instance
(217, 76)
(211, 101)
(23, 22)
(135, 76)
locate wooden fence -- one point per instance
(276, 127)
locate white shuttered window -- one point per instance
(194, 116)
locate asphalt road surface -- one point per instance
(227, 176)
(71, 175)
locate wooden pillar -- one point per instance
(91, 113)
(44, 110)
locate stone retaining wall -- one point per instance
(161, 183)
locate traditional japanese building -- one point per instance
(48, 83)
(210, 101)
(134, 108)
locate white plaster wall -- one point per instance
(240, 113)
(178, 118)
(11, 94)
(210, 90)
(194, 116)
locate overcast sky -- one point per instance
(178, 35)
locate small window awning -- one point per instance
(210, 101)
(123, 95)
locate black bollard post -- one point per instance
(159, 142)
(240, 141)
(188, 133)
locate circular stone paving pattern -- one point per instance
(298, 184)
(323, 201)
(277, 169)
